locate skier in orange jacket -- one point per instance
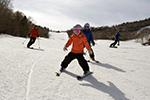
(34, 33)
(78, 41)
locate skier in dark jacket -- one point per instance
(147, 43)
(34, 33)
(117, 36)
(89, 37)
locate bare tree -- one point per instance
(6, 3)
(16, 23)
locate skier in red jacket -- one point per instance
(34, 33)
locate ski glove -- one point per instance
(65, 48)
(29, 35)
(93, 43)
(118, 43)
(90, 52)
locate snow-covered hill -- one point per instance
(142, 29)
(26, 74)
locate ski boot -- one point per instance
(86, 72)
(62, 69)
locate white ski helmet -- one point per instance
(77, 27)
(86, 25)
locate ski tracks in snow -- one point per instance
(30, 77)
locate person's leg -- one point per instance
(115, 43)
(92, 56)
(33, 40)
(82, 62)
(67, 60)
(111, 44)
(29, 43)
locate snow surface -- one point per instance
(29, 74)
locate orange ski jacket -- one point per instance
(34, 33)
(79, 42)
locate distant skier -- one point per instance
(34, 33)
(117, 36)
(147, 43)
(78, 41)
(89, 37)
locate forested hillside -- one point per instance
(128, 30)
(16, 23)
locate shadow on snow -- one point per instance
(112, 90)
(107, 66)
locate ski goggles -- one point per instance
(86, 27)
(76, 31)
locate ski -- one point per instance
(36, 49)
(96, 61)
(145, 44)
(72, 74)
(83, 76)
(87, 60)
(93, 60)
(58, 73)
(30, 48)
(114, 47)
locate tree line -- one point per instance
(128, 30)
(16, 23)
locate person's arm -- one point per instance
(31, 31)
(37, 33)
(86, 44)
(91, 39)
(69, 42)
(29, 34)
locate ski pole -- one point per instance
(84, 53)
(38, 42)
(24, 41)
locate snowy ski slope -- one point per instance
(29, 74)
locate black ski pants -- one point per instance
(92, 55)
(114, 43)
(71, 56)
(32, 40)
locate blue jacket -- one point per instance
(89, 36)
(117, 36)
